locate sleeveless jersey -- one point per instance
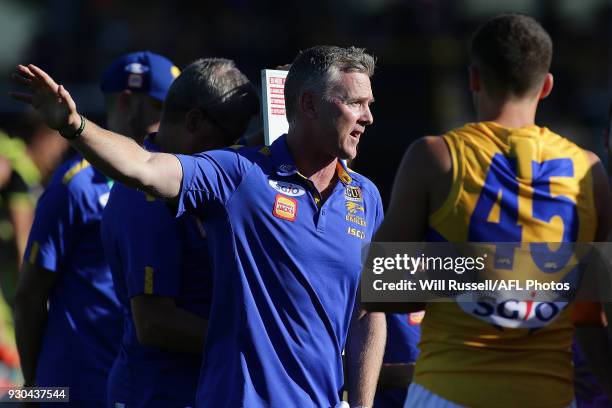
(509, 185)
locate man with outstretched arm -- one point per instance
(285, 224)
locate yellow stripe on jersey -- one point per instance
(148, 280)
(34, 250)
(523, 185)
(74, 170)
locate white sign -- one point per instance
(273, 95)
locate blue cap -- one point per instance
(141, 71)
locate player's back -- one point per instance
(509, 185)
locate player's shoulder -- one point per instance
(351, 178)
(429, 155)
(557, 142)
(72, 171)
(77, 175)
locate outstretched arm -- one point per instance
(116, 156)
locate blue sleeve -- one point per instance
(149, 244)
(380, 213)
(55, 229)
(209, 177)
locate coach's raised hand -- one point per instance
(119, 157)
(50, 99)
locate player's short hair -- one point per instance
(318, 69)
(219, 89)
(513, 53)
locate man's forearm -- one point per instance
(364, 353)
(30, 323)
(117, 156)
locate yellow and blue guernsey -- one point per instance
(83, 329)
(509, 185)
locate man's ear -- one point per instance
(193, 120)
(474, 75)
(307, 104)
(547, 86)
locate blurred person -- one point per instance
(67, 316)
(133, 97)
(160, 264)
(31, 157)
(25, 163)
(478, 354)
(285, 227)
(401, 352)
(589, 392)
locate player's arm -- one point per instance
(35, 286)
(160, 323)
(365, 348)
(420, 187)
(117, 156)
(52, 238)
(589, 318)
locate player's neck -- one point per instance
(311, 162)
(511, 114)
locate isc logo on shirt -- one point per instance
(285, 207)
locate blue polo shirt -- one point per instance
(153, 253)
(83, 328)
(286, 270)
(403, 335)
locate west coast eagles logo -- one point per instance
(353, 207)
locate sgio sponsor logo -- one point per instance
(513, 313)
(289, 189)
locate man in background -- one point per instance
(27, 160)
(286, 225)
(74, 340)
(160, 264)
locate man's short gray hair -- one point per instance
(318, 69)
(217, 87)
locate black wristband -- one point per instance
(77, 133)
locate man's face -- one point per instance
(345, 114)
